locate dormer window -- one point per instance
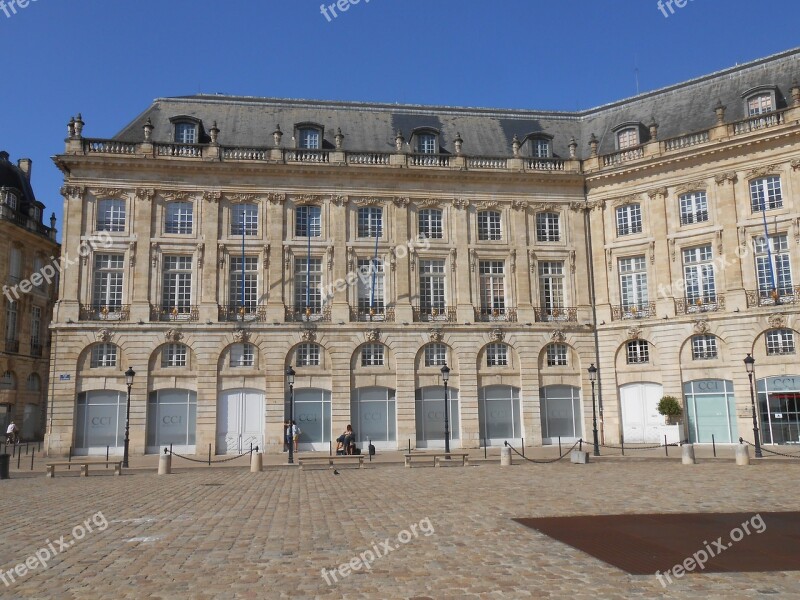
(309, 138)
(186, 133)
(426, 143)
(627, 138)
(540, 145)
(759, 104)
(9, 198)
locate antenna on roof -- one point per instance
(636, 71)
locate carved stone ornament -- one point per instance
(519, 205)
(276, 197)
(777, 321)
(661, 191)
(176, 195)
(513, 260)
(339, 200)
(221, 254)
(558, 336)
(427, 202)
(435, 335)
(242, 198)
(241, 336)
(579, 206)
(701, 326)
(369, 201)
(154, 254)
(671, 243)
(730, 176)
(145, 194)
(351, 258)
(103, 192)
(634, 332)
(692, 186)
(401, 201)
(308, 335)
(73, 192)
(104, 335)
(460, 203)
(372, 335)
(596, 204)
(453, 255)
(496, 335)
(302, 199)
(532, 260)
(472, 259)
(267, 249)
(763, 171)
(488, 204)
(329, 257)
(173, 335)
(572, 257)
(652, 252)
(609, 259)
(212, 195)
(132, 253)
(796, 164)
(201, 253)
(287, 258)
(629, 199)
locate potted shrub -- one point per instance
(670, 408)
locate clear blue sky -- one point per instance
(109, 59)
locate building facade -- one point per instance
(368, 245)
(28, 270)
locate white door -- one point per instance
(240, 421)
(641, 421)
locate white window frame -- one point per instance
(704, 347)
(628, 138)
(694, 208)
(179, 217)
(492, 285)
(309, 138)
(766, 193)
(637, 352)
(108, 280)
(548, 227)
(242, 355)
(760, 104)
(490, 226)
(557, 354)
(497, 355)
(629, 219)
(244, 217)
(103, 355)
(250, 282)
(176, 283)
(369, 222)
(186, 132)
(308, 355)
(373, 355)
(367, 268)
(314, 277)
(699, 275)
(540, 148)
(781, 265)
(435, 354)
(308, 221)
(780, 342)
(427, 143)
(430, 223)
(633, 291)
(111, 214)
(174, 355)
(432, 285)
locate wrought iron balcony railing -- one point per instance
(546, 314)
(505, 313)
(308, 314)
(12, 346)
(688, 306)
(432, 313)
(229, 312)
(641, 310)
(98, 312)
(378, 313)
(36, 349)
(174, 313)
(786, 295)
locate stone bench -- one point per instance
(84, 465)
(438, 457)
(331, 460)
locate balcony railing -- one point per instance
(174, 313)
(623, 156)
(12, 346)
(36, 349)
(429, 160)
(96, 312)
(685, 141)
(108, 147)
(758, 122)
(379, 313)
(245, 154)
(787, 295)
(643, 310)
(368, 158)
(432, 314)
(295, 314)
(306, 156)
(484, 162)
(688, 306)
(508, 314)
(544, 164)
(546, 314)
(180, 150)
(229, 312)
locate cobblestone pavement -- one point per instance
(228, 533)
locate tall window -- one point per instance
(244, 219)
(704, 347)
(103, 355)
(369, 269)
(243, 355)
(372, 355)
(760, 104)
(107, 278)
(180, 217)
(694, 208)
(779, 266)
(307, 355)
(9, 198)
(633, 282)
(174, 355)
(638, 352)
(308, 221)
(309, 138)
(765, 194)
(370, 222)
(15, 264)
(780, 341)
(489, 225)
(431, 285)
(36, 326)
(250, 287)
(551, 286)
(628, 138)
(11, 321)
(497, 355)
(185, 133)
(307, 284)
(430, 223)
(435, 355)
(111, 214)
(540, 148)
(7, 381)
(698, 272)
(38, 265)
(34, 382)
(492, 286)
(629, 219)
(557, 355)
(547, 227)
(426, 143)
(176, 291)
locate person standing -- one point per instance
(11, 433)
(287, 439)
(295, 434)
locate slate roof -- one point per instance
(678, 109)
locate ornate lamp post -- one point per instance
(445, 379)
(749, 364)
(592, 378)
(129, 375)
(290, 380)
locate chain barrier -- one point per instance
(543, 462)
(795, 455)
(673, 444)
(205, 461)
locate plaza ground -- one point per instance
(223, 532)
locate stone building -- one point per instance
(29, 266)
(367, 245)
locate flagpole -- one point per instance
(308, 267)
(374, 276)
(242, 309)
(775, 294)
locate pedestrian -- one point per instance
(11, 433)
(295, 434)
(286, 436)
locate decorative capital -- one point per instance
(241, 336)
(497, 335)
(276, 198)
(171, 195)
(239, 198)
(212, 196)
(73, 192)
(701, 326)
(657, 192)
(105, 192)
(634, 332)
(763, 171)
(691, 186)
(339, 200)
(401, 201)
(460, 203)
(145, 194)
(308, 335)
(520, 205)
(796, 164)
(723, 178)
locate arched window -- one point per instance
(780, 342)
(103, 355)
(497, 355)
(307, 355)
(243, 355)
(435, 354)
(372, 355)
(704, 347)
(34, 383)
(174, 355)
(557, 355)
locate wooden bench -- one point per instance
(84, 465)
(438, 457)
(330, 460)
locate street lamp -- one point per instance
(446, 378)
(129, 375)
(290, 380)
(749, 364)
(592, 378)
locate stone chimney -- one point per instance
(25, 165)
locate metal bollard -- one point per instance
(714, 445)
(687, 454)
(33, 452)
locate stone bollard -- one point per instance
(687, 456)
(256, 462)
(165, 464)
(578, 457)
(505, 456)
(742, 455)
